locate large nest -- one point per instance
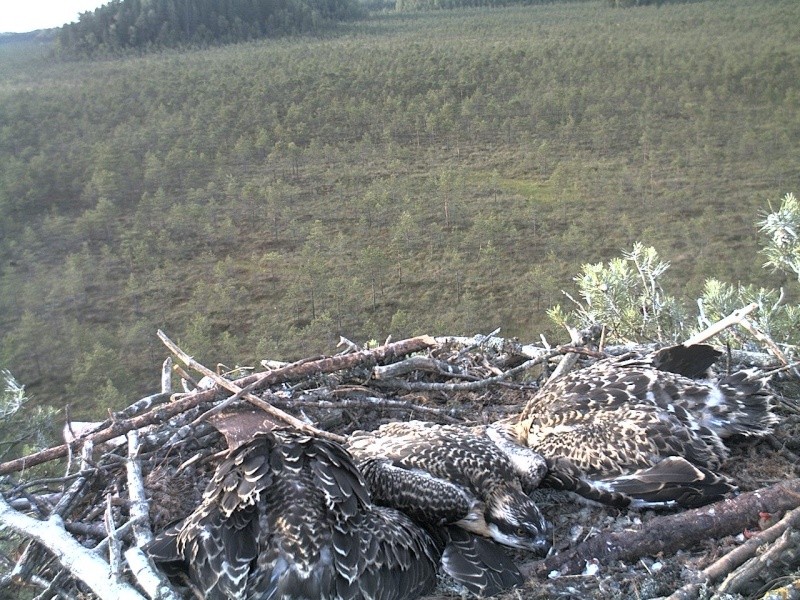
(146, 466)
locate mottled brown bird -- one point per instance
(643, 426)
(286, 516)
(452, 474)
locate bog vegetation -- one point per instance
(441, 172)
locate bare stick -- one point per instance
(769, 559)
(732, 319)
(331, 364)
(114, 543)
(166, 376)
(240, 392)
(674, 532)
(82, 563)
(483, 383)
(324, 365)
(787, 592)
(156, 415)
(139, 510)
(764, 339)
(375, 402)
(736, 557)
(146, 576)
(151, 580)
(418, 363)
(568, 360)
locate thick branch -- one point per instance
(481, 383)
(304, 370)
(157, 415)
(242, 392)
(736, 557)
(84, 564)
(674, 532)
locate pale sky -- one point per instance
(27, 15)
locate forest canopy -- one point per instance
(140, 24)
(441, 172)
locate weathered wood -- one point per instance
(158, 414)
(736, 557)
(82, 563)
(732, 319)
(331, 364)
(671, 533)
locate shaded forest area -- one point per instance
(433, 172)
(149, 24)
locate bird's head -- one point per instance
(513, 519)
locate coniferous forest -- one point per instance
(148, 24)
(431, 172)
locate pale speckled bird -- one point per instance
(286, 516)
(645, 427)
(453, 474)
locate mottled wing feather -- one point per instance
(452, 453)
(478, 564)
(287, 515)
(673, 481)
(424, 498)
(404, 558)
(625, 418)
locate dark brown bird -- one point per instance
(452, 474)
(641, 426)
(286, 516)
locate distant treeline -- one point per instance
(137, 24)
(437, 4)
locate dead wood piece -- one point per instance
(139, 509)
(368, 401)
(147, 577)
(568, 360)
(732, 319)
(418, 363)
(733, 559)
(364, 358)
(419, 386)
(240, 392)
(765, 339)
(670, 533)
(787, 592)
(82, 563)
(301, 371)
(156, 415)
(783, 554)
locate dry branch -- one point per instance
(84, 564)
(364, 358)
(671, 533)
(732, 319)
(156, 415)
(737, 557)
(777, 556)
(242, 392)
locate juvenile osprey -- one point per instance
(452, 474)
(645, 427)
(287, 516)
